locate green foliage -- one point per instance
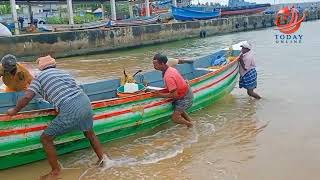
(77, 19)
(5, 9)
(122, 8)
(85, 19)
(56, 20)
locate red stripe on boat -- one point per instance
(103, 103)
(216, 82)
(21, 131)
(100, 116)
(96, 117)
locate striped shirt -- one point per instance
(55, 86)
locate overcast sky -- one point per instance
(224, 2)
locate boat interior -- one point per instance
(107, 89)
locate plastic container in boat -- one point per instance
(2, 88)
(130, 89)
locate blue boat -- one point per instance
(161, 3)
(231, 11)
(269, 11)
(186, 14)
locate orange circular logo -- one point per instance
(293, 25)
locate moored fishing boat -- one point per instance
(244, 10)
(230, 11)
(114, 117)
(67, 27)
(133, 21)
(186, 14)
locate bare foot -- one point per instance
(53, 175)
(190, 125)
(102, 162)
(99, 163)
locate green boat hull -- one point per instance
(19, 149)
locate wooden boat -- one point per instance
(186, 14)
(114, 117)
(165, 17)
(134, 21)
(244, 10)
(161, 7)
(67, 27)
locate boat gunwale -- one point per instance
(254, 6)
(196, 11)
(107, 102)
(232, 12)
(8, 132)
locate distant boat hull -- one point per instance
(133, 22)
(232, 11)
(67, 27)
(252, 9)
(185, 14)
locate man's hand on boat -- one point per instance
(12, 111)
(159, 94)
(155, 93)
(22, 102)
(150, 90)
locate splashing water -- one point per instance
(160, 146)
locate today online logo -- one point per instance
(288, 22)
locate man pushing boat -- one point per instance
(248, 73)
(73, 105)
(177, 88)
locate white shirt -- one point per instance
(4, 31)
